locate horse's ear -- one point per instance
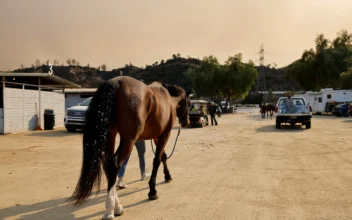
(164, 84)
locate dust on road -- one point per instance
(242, 169)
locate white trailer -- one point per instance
(326, 99)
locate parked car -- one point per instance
(342, 110)
(300, 112)
(75, 116)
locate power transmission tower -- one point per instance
(261, 83)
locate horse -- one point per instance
(263, 110)
(270, 108)
(136, 111)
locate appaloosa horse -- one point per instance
(129, 107)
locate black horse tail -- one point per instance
(97, 123)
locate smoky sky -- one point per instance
(117, 32)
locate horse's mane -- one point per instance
(174, 90)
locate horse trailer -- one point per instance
(326, 99)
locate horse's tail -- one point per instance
(97, 122)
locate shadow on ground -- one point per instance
(61, 209)
(258, 117)
(283, 128)
(54, 133)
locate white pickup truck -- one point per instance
(299, 111)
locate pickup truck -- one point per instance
(75, 116)
(298, 112)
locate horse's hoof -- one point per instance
(168, 180)
(118, 211)
(119, 214)
(108, 217)
(153, 197)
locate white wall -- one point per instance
(55, 101)
(20, 109)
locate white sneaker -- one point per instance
(121, 184)
(145, 176)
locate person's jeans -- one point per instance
(213, 119)
(140, 145)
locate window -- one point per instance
(329, 96)
(320, 99)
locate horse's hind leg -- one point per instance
(111, 168)
(113, 206)
(166, 169)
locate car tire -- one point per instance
(308, 125)
(346, 114)
(71, 129)
(278, 124)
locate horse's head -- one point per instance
(183, 103)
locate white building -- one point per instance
(75, 96)
(25, 96)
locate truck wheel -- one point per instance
(71, 129)
(346, 114)
(278, 124)
(308, 124)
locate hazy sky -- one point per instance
(117, 32)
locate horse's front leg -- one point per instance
(160, 145)
(166, 169)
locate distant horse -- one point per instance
(267, 108)
(263, 110)
(270, 108)
(129, 107)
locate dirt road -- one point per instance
(242, 169)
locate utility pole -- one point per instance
(261, 83)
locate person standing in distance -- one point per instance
(212, 112)
(140, 146)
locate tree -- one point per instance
(203, 78)
(22, 66)
(56, 62)
(37, 63)
(47, 62)
(162, 62)
(237, 78)
(73, 62)
(98, 68)
(69, 62)
(103, 67)
(346, 79)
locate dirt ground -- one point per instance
(242, 169)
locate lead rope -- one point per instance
(151, 141)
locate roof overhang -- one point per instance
(80, 90)
(49, 80)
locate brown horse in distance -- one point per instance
(136, 111)
(267, 108)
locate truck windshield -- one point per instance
(295, 101)
(86, 102)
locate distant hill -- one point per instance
(171, 71)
